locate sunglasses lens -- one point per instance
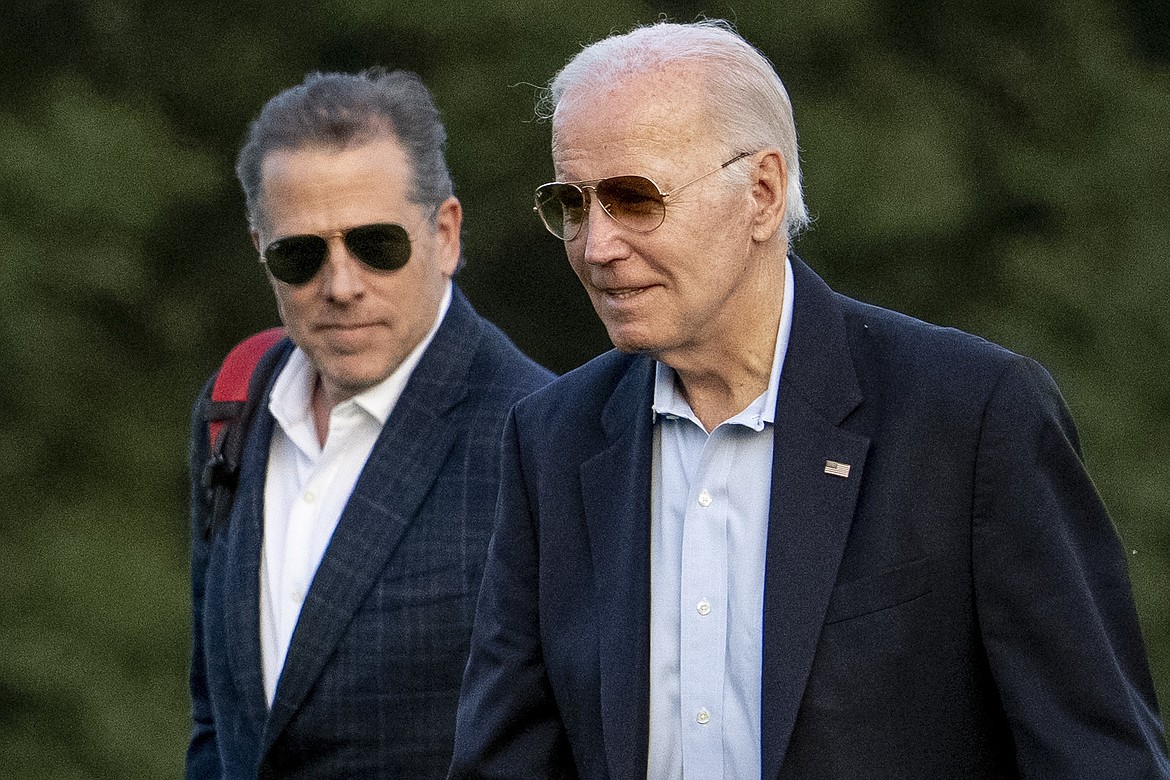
(295, 259)
(562, 209)
(634, 201)
(383, 247)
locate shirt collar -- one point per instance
(669, 403)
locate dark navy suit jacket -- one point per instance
(958, 606)
(372, 675)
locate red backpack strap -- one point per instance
(231, 385)
(238, 390)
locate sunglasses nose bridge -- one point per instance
(581, 223)
(340, 269)
(337, 241)
(336, 256)
(588, 193)
(587, 197)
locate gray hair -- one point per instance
(340, 110)
(744, 93)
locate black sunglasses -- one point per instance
(297, 259)
(635, 202)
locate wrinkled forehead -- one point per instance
(654, 114)
(656, 93)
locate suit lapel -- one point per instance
(404, 463)
(242, 570)
(811, 510)
(616, 486)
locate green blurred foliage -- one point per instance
(1001, 167)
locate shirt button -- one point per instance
(309, 496)
(704, 607)
(704, 499)
(703, 717)
(298, 594)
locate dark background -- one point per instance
(1001, 166)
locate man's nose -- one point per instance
(602, 234)
(344, 273)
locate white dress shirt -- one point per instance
(710, 499)
(307, 487)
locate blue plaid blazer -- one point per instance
(371, 681)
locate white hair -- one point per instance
(744, 94)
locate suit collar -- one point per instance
(819, 364)
(630, 402)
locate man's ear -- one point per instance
(256, 240)
(770, 194)
(448, 227)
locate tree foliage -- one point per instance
(1001, 167)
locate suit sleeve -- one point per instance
(507, 724)
(202, 750)
(1053, 596)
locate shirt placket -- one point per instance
(703, 612)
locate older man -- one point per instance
(333, 609)
(779, 533)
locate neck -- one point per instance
(721, 376)
(720, 391)
(321, 405)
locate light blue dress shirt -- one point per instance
(710, 495)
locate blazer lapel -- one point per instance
(616, 486)
(404, 463)
(812, 509)
(242, 571)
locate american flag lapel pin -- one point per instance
(837, 469)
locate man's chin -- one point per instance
(631, 339)
(346, 382)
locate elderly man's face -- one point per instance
(678, 292)
(356, 324)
